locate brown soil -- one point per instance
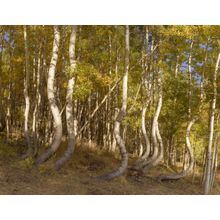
(77, 177)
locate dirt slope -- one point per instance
(77, 177)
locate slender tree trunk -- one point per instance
(214, 160)
(139, 162)
(26, 96)
(157, 143)
(69, 102)
(190, 120)
(35, 127)
(207, 184)
(189, 168)
(202, 84)
(144, 131)
(124, 155)
(52, 101)
(147, 87)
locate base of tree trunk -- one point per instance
(67, 155)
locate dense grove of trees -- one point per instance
(146, 92)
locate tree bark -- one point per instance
(207, 184)
(69, 102)
(26, 96)
(156, 137)
(189, 169)
(52, 101)
(138, 163)
(215, 160)
(124, 155)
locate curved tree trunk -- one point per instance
(69, 103)
(189, 169)
(26, 96)
(120, 117)
(161, 152)
(147, 86)
(52, 101)
(158, 156)
(144, 131)
(138, 163)
(157, 140)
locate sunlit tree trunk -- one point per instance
(69, 102)
(191, 120)
(202, 83)
(207, 184)
(121, 115)
(214, 160)
(52, 101)
(146, 87)
(157, 155)
(189, 168)
(35, 127)
(26, 95)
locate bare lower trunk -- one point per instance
(189, 168)
(69, 103)
(52, 101)
(123, 152)
(144, 157)
(215, 160)
(157, 140)
(36, 108)
(207, 185)
(144, 132)
(26, 96)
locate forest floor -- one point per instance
(21, 177)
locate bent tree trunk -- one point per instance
(52, 102)
(157, 142)
(147, 87)
(26, 96)
(208, 175)
(138, 163)
(119, 140)
(190, 123)
(69, 102)
(189, 169)
(157, 155)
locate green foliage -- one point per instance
(88, 79)
(100, 52)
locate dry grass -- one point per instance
(77, 177)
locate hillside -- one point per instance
(77, 177)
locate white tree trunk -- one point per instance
(189, 168)
(37, 105)
(208, 176)
(26, 96)
(69, 102)
(139, 163)
(121, 115)
(157, 155)
(52, 101)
